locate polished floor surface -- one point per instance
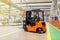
(17, 33)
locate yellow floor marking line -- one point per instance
(48, 35)
(3, 35)
(55, 28)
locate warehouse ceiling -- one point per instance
(37, 4)
(15, 7)
(29, 4)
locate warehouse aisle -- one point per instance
(54, 33)
(15, 33)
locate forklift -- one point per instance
(34, 21)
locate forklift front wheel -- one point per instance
(39, 30)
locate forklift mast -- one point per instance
(28, 13)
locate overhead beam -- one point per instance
(41, 7)
(37, 6)
(34, 2)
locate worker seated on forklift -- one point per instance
(36, 17)
(28, 20)
(31, 20)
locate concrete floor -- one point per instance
(16, 33)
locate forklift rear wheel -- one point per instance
(39, 30)
(25, 29)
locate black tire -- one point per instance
(39, 30)
(25, 28)
(44, 31)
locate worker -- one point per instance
(36, 17)
(28, 20)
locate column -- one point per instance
(55, 9)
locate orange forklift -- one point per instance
(34, 21)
